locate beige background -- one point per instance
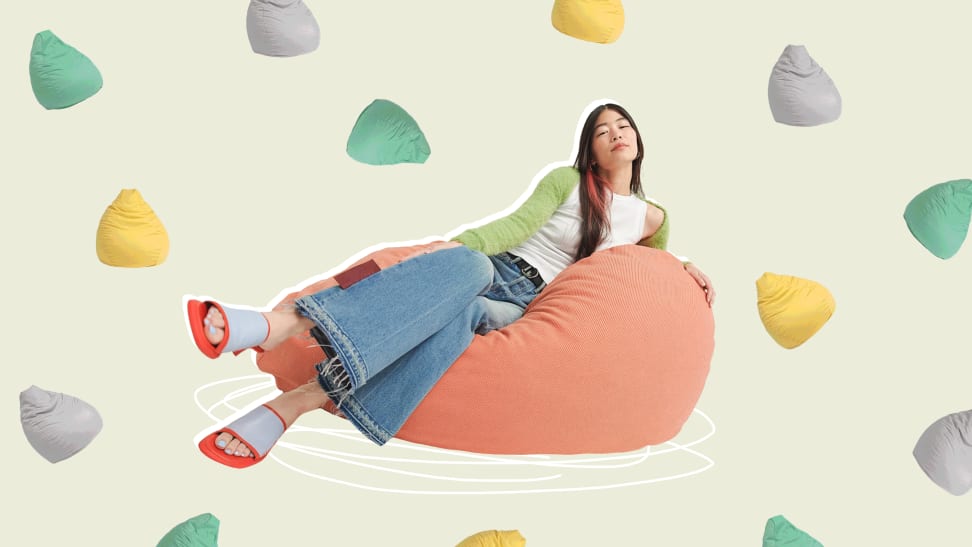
(243, 158)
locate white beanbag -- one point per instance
(281, 28)
(943, 452)
(800, 91)
(58, 426)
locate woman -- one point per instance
(389, 335)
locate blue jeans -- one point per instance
(397, 331)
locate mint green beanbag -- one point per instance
(199, 531)
(780, 532)
(939, 216)
(385, 134)
(60, 75)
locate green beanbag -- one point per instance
(938, 217)
(60, 75)
(385, 134)
(780, 532)
(199, 531)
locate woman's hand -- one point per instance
(703, 281)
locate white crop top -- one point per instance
(553, 247)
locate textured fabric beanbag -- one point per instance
(281, 28)
(792, 309)
(60, 75)
(944, 452)
(130, 235)
(600, 21)
(494, 538)
(800, 91)
(199, 531)
(58, 426)
(385, 134)
(611, 357)
(779, 532)
(938, 217)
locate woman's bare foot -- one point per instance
(283, 325)
(290, 406)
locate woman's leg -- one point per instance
(282, 324)
(376, 321)
(410, 293)
(380, 407)
(289, 406)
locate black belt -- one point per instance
(528, 271)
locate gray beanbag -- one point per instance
(800, 91)
(58, 426)
(943, 452)
(281, 28)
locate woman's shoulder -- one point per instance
(559, 181)
(565, 174)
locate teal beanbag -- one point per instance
(939, 216)
(60, 75)
(385, 135)
(199, 531)
(780, 532)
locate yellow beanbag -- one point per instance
(494, 538)
(599, 21)
(130, 235)
(792, 309)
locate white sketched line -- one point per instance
(483, 459)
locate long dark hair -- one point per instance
(594, 189)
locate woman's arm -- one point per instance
(659, 239)
(505, 233)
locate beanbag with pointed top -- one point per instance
(199, 531)
(938, 217)
(600, 21)
(281, 28)
(800, 91)
(494, 538)
(780, 532)
(58, 426)
(629, 320)
(944, 452)
(384, 134)
(130, 235)
(60, 75)
(792, 309)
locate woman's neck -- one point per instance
(619, 179)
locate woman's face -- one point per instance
(615, 142)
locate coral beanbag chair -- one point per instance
(281, 28)
(130, 235)
(384, 134)
(60, 75)
(611, 357)
(600, 21)
(199, 531)
(779, 532)
(58, 426)
(800, 91)
(938, 217)
(792, 309)
(944, 452)
(494, 538)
